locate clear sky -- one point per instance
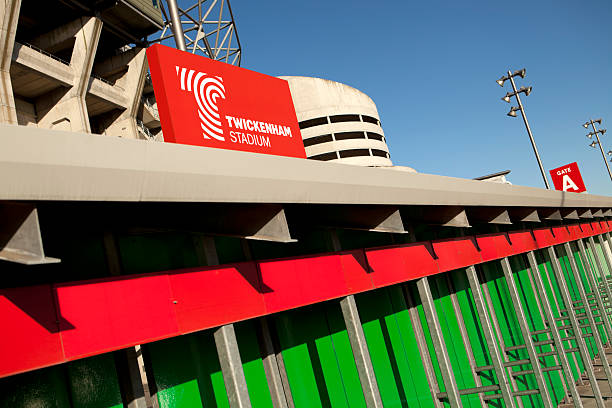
(430, 67)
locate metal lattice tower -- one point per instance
(208, 27)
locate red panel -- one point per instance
(596, 227)
(30, 337)
(103, 315)
(522, 241)
(494, 246)
(568, 178)
(216, 296)
(290, 283)
(587, 231)
(401, 263)
(544, 237)
(574, 232)
(456, 253)
(609, 225)
(562, 235)
(356, 271)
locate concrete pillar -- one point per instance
(8, 27)
(66, 108)
(124, 125)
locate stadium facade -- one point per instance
(143, 274)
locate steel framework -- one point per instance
(208, 29)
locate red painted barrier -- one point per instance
(494, 246)
(51, 324)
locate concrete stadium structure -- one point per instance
(78, 66)
(338, 123)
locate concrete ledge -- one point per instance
(40, 164)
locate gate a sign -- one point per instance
(210, 103)
(568, 178)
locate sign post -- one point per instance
(209, 103)
(568, 178)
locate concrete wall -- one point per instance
(346, 123)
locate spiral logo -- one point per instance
(207, 90)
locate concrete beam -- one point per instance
(20, 238)
(597, 213)
(447, 216)
(523, 215)
(133, 83)
(488, 215)
(550, 214)
(585, 213)
(60, 38)
(68, 110)
(9, 19)
(109, 93)
(366, 218)
(569, 214)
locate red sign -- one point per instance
(210, 103)
(568, 178)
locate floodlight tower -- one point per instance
(594, 143)
(513, 109)
(205, 27)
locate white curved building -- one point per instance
(338, 123)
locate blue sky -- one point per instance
(431, 67)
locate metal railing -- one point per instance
(47, 53)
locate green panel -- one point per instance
(187, 372)
(86, 383)
(44, 388)
(156, 252)
(254, 373)
(318, 358)
(93, 383)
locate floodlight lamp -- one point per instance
(520, 72)
(603, 131)
(597, 121)
(501, 81)
(506, 98)
(586, 125)
(513, 111)
(609, 152)
(590, 135)
(528, 90)
(593, 144)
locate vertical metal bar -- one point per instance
(496, 359)
(600, 348)
(602, 276)
(498, 333)
(531, 351)
(361, 353)
(177, 26)
(590, 274)
(524, 115)
(231, 367)
(464, 336)
(227, 346)
(554, 332)
(438, 342)
(568, 332)
(280, 393)
(417, 326)
(567, 300)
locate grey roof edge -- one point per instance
(41, 164)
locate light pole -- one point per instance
(520, 107)
(596, 133)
